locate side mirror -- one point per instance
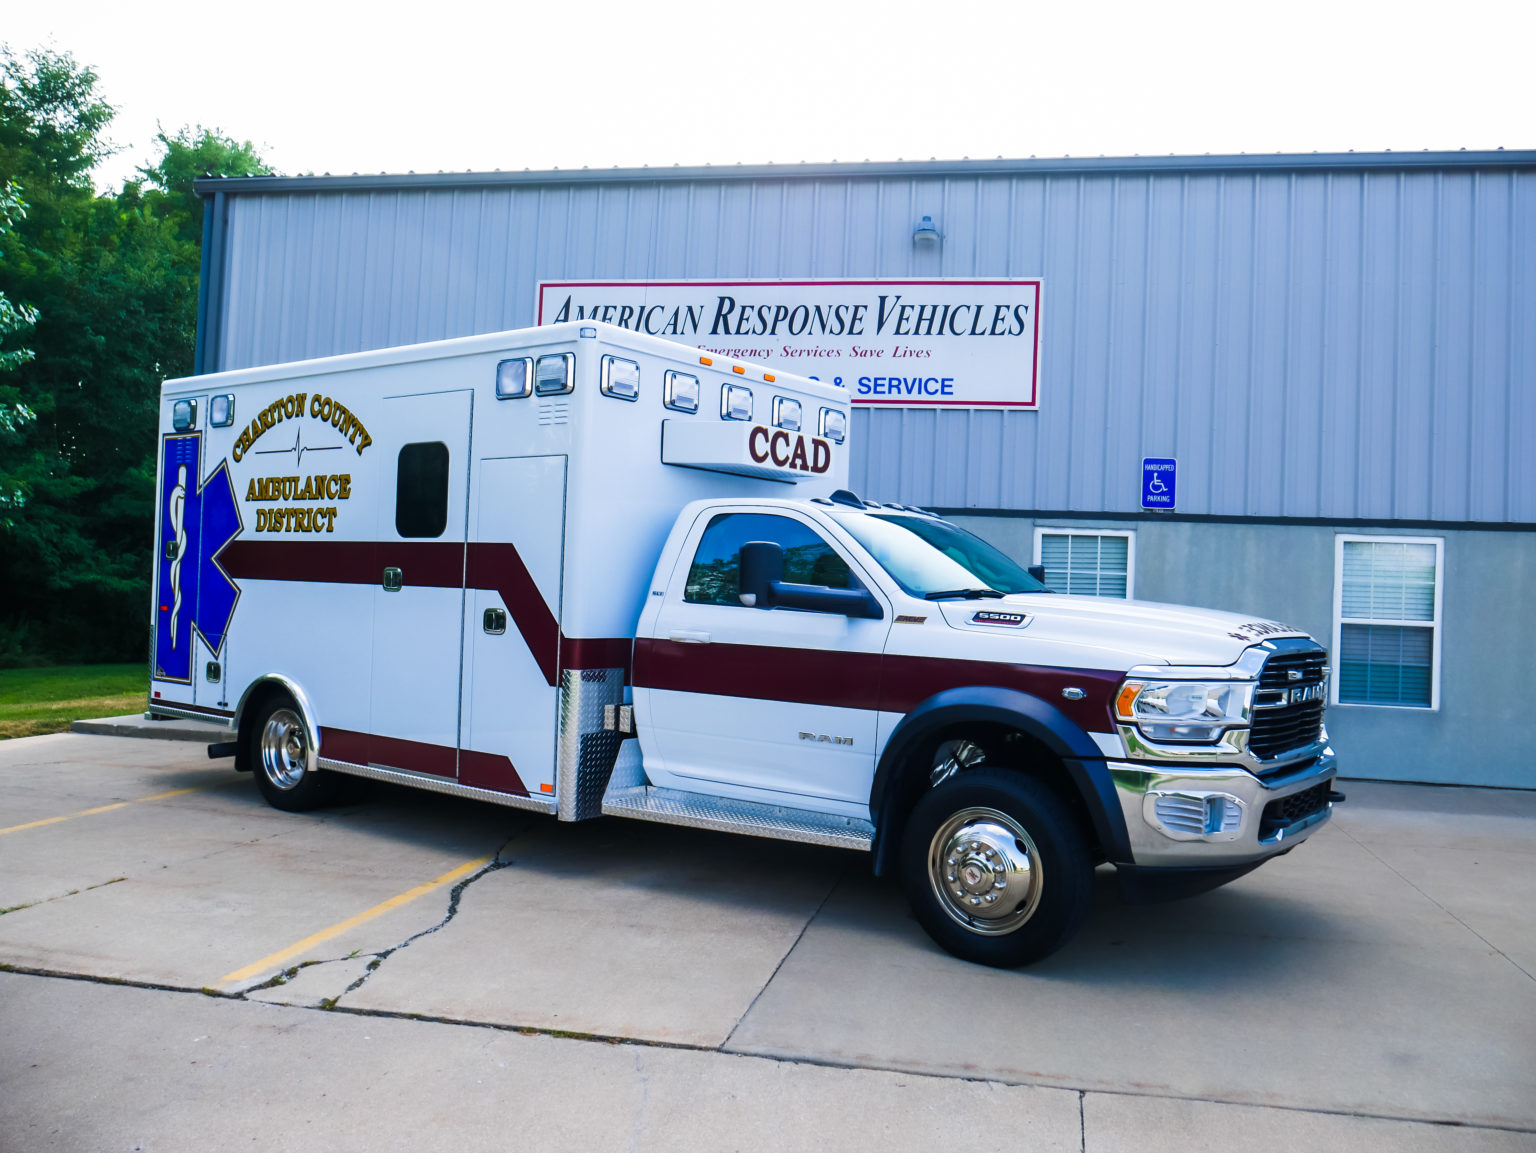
(763, 587)
(1037, 571)
(762, 566)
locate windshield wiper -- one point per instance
(962, 594)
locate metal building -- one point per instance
(1339, 351)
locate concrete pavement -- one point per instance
(690, 989)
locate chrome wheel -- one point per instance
(985, 870)
(284, 749)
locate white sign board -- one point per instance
(911, 343)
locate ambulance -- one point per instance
(586, 572)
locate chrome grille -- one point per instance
(1279, 723)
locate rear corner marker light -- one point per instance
(833, 424)
(221, 410)
(786, 413)
(735, 402)
(514, 379)
(555, 374)
(589, 334)
(621, 378)
(681, 392)
(1125, 702)
(184, 415)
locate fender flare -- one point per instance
(1083, 760)
(291, 688)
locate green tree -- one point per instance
(114, 281)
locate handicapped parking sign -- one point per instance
(1159, 477)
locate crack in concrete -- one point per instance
(60, 896)
(1082, 1124)
(779, 1059)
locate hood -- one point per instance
(1124, 633)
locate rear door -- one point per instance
(418, 616)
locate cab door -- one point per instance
(418, 614)
(773, 705)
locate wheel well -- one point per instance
(254, 700)
(1005, 746)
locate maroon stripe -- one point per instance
(499, 567)
(490, 771)
(392, 752)
(596, 653)
(858, 680)
(222, 714)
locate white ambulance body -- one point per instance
(547, 569)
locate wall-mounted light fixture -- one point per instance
(925, 233)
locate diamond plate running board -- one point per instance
(700, 811)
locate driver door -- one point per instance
(772, 705)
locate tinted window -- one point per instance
(421, 490)
(715, 578)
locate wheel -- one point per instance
(280, 759)
(996, 868)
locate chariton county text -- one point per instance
(332, 412)
(891, 315)
(321, 486)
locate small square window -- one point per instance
(621, 378)
(1095, 564)
(682, 392)
(514, 379)
(421, 490)
(556, 374)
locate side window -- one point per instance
(421, 490)
(715, 578)
(1386, 621)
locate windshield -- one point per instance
(927, 556)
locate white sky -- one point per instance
(327, 87)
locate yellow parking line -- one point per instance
(277, 959)
(101, 809)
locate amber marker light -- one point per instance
(1127, 700)
(706, 360)
(738, 370)
(768, 376)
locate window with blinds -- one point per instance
(1386, 639)
(1095, 564)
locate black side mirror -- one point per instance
(763, 586)
(1037, 571)
(762, 566)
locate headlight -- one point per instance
(1185, 711)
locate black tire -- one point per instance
(1016, 881)
(278, 748)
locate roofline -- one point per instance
(1063, 166)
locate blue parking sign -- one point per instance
(1159, 481)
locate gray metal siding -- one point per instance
(1349, 343)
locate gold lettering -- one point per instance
(250, 493)
(345, 491)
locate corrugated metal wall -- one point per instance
(1334, 343)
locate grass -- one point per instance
(35, 701)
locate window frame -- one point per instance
(1130, 549)
(1339, 621)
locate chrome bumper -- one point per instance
(1184, 815)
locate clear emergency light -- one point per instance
(184, 415)
(735, 402)
(514, 379)
(621, 378)
(834, 425)
(221, 410)
(555, 374)
(681, 392)
(786, 413)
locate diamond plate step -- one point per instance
(701, 811)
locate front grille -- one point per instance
(1296, 807)
(1279, 726)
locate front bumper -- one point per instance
(1188, 816)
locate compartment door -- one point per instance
(418, 616)
(512, 634)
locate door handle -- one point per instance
(392, 580)
(688, 637)
(494, 621)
